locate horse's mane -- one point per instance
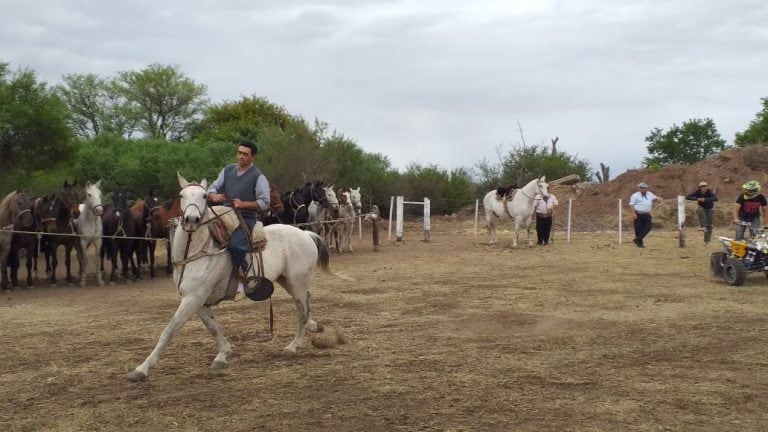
(5, 208)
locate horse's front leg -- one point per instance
(68, 263)
(152, 245)
(97, 256)
(188, 306)
(30, 282)
(225, 349)
(52, 263)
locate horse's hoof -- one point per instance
(136, 376)
(218, 364)
(290, 351)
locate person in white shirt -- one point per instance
(642, 205)
(545, 212)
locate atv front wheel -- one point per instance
(734, 272)
(716, 263)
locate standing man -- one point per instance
(706, 211)
(545, 212)
(642, 205)
(747, 209)
(243, 187)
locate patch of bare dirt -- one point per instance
(452, 334)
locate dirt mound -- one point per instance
(595, 205)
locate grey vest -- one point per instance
(242, 187)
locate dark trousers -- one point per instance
(543, 228)
(238, 244)
(706, 216)
(642, 226)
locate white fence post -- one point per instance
(399, 219)
(391, 208)
(620, 221)
(681, 220)
(570, 206)
(427, 219)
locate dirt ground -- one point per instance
(450, 335)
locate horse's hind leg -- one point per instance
(225, 349)
(187, 307)
(299, 291)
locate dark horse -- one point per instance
(15, 212)
(118, 222)
(41, 209)
(144, 212)
(65, 206)
(160, 216)
(289, 208)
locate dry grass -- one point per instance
(448, 335)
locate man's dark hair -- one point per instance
(250, 144)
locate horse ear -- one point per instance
(543, 178)
(182, 181)
(98, 183)
(204, 184)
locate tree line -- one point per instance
(139, 127)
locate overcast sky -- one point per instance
(432, 81)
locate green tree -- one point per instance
(757, 132)
(164, 103)
(691, 142)
(95, 106)
(34, 133)
(243, 119)
(524, 163)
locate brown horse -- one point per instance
(144, 211)
(14, 207)
(160, 227)
(28, 242)
(66, 208)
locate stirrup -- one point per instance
(258, 288)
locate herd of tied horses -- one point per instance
(117, 229)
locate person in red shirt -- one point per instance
(748, 209)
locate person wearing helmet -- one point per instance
(748, 209)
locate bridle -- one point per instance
(202, 211)
(291, 203)
(313, 195)
(538, 188)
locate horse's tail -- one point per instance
(324, 257)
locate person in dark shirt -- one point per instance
(706, 211)
(748, 209)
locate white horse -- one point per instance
(328, 216)
(346, 221)
(89, 228)
(519, 207)
(203, 273)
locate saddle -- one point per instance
(506, 193)
(258, 287)
(227, 222)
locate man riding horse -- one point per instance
(243, 187)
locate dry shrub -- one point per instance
(755, 156)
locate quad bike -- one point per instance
(740, 257)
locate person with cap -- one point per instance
(747, 209)
(706, 211)
(642, 205)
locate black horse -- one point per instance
(24, 221)
(64, 209)
(119, 223)
(286, 208)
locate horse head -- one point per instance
(45, 212)
(93, 198)
(69, 197)
(316, 193)
(21, 208)
(276, 200)
(330, 195)
(120, 197)
(344, 197)
(354, 195)
(194, 201)
(152, 207)
(543, 187)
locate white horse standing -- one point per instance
(203, 272)
(89, 227)
(346, 221)
(520, 208)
